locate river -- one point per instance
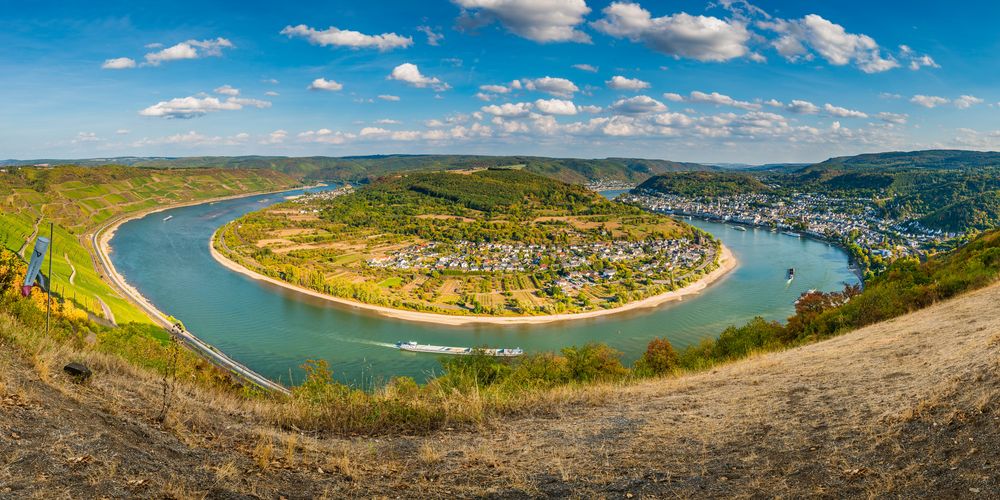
(274, 331)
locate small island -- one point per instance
(475, 244)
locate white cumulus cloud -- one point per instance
(798, 39)
(619, 82)
(536, 20)
(722, 100)
(324, 84)
(638, 105)
(119, 63)
(555, 107)
(347, 38)
(703, 38)
(191, 49)
(843, 112)
(559, 87)
(227, 90)
(509, 109)
(410, 74)
(929, 101)
(191, 107)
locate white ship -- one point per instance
(458, 351)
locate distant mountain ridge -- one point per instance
(357, 168)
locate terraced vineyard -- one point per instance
(81, 199)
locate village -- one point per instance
(579, 265)
(810, 214)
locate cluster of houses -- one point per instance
(811, 214)
(651, 257)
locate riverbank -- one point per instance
(727, 262)
(100, 241)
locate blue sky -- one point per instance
(720, 81)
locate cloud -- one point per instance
(671, 96)
(387, 121)
(537, 20)
(638, 105)
(271, 93)
(559, 87)
(586, 67)
(227, 90)
(929, 101)
(555, 107)
(410, 74)
(192, 107)
(508, 110)
(802, 107)
(843, 112)
(118, 63)
(722, 100)
(799, 38)
(621, 83)
(496, 89)
(966, 101)
(347, 38)
(276, 137)
(326, 136)
(894, 118)
(702, 38)
(916, 61)
(195, 139)
(191, 49)
(388, 97)
(432, 37)
(123, 131)
(85, 137)
(324, 84)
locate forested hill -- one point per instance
(494, 193)
(359, 168)
(947, 159)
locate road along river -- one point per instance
(273, 330)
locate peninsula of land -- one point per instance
(486, 246)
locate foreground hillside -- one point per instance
(909, 407)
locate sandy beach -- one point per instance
(727, 262)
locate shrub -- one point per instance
(594, 362)
(660, 358)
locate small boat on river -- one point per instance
(789, 233)
(165, 219)
(739, 228)
(791, 273)
(458, 351)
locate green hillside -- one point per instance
(80, 199)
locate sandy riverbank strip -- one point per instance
(727, 262)
(100, 240)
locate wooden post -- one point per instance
(48, 303)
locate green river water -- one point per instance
(274, 331)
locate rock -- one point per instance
(78, 371)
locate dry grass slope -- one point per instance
(908, 408)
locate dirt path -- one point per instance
(72, 274)
(108, 313)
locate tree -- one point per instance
(660, 358)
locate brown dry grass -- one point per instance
(906, 408)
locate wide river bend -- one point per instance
(274, 331)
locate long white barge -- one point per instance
(458, 351)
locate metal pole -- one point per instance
(48, 303)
